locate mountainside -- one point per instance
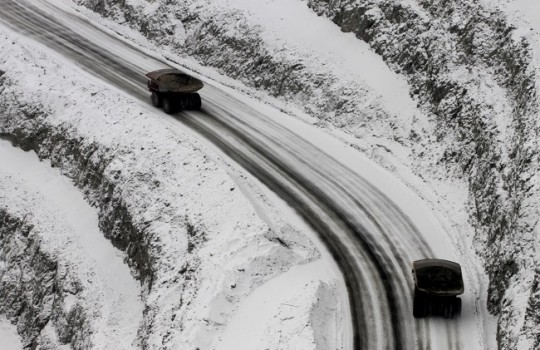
(472, 69)
(174, 214)
(446, 90)
(469, 67)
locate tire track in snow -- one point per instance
(28, 20)
(323, 219)
(110, 283)
(398, 330)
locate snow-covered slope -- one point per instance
(71, 281)
(190, 236)
(470, 67)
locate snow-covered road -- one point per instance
(360, 213)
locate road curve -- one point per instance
(371, 239)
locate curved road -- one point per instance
(371, 239)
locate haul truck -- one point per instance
(437, 283)
(174, 90)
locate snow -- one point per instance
(189, 179)
(254, 318)
(525, 17)
(524, 14)
(312, 276)
(438, 209)
(290, 291)
(438, 213)
(9, 339)
(32, 186)
(529, 10)
(301, 32)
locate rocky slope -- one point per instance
(53, 288)
(469, 68)
(470, 71)
(33, 285)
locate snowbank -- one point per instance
(9, 336)
(296, 310)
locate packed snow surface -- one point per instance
(301, 32)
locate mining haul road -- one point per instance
(369, 235)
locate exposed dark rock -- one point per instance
(532, 317)
(32, 287)
(85, 164)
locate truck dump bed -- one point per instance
(438, 277)
(173, 81)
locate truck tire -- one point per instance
(168, 105)
(420, 306)
(457, 308)
(156, 99)
(452, 308)
(196, 101)
(448, 310)
(185, 102)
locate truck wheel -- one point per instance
(420, 306)
(457, 307)
(156, 99)
(196, 102)
(185, 102)
(168, 106)
(447, 310)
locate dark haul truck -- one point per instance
(174, 90)
(437, 283)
